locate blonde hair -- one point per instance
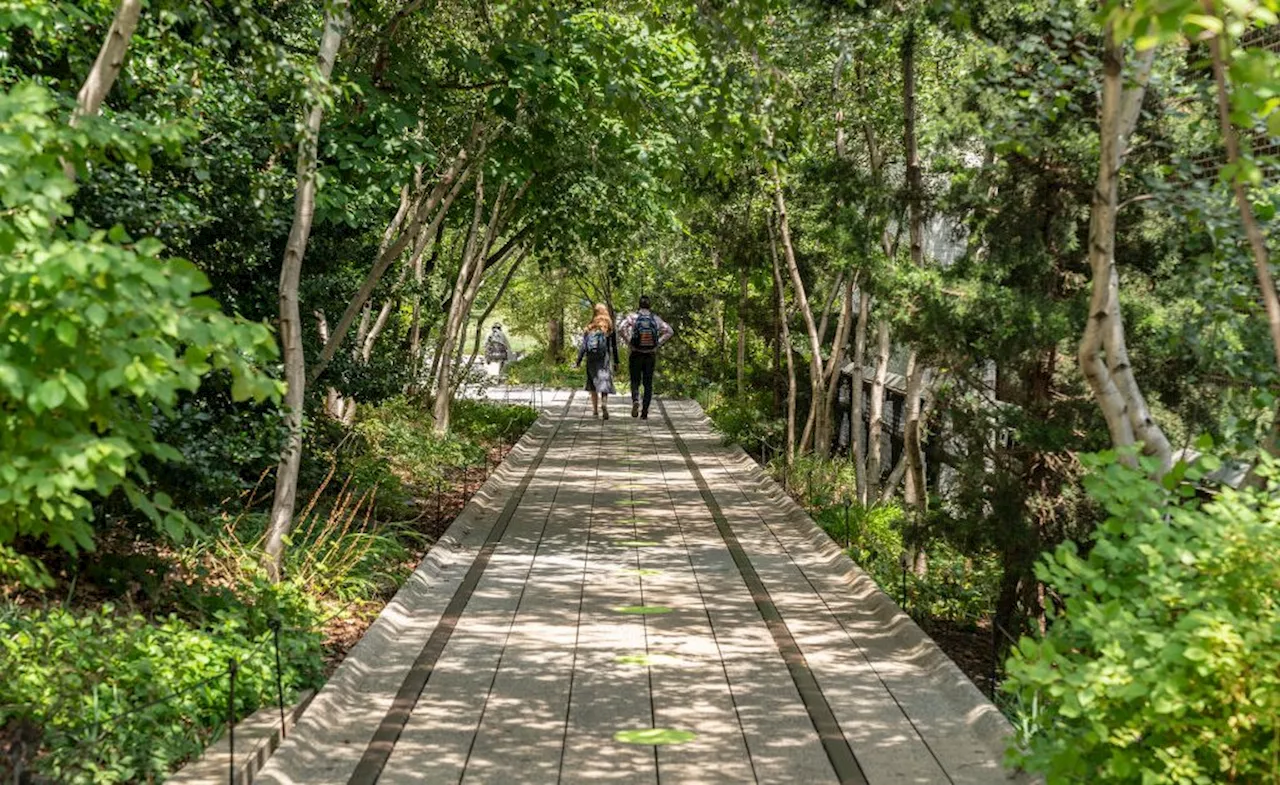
(601, 320)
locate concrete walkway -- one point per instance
(632, 602)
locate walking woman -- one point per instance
(600, 348)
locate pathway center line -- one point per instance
(841, 755)
(375, 757)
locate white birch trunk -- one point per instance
(784, 231)
(786, 347)
(286, 491)
(875, 415)
(859, 439)
(1111, 379)
(106, 67)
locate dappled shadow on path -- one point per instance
(612, 604)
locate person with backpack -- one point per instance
(645, 333)
(497, 349)
(599, 345)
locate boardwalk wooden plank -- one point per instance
(337, 727)
(437, 742)
(610, 689)
(611, 577)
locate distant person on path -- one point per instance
(599, 346)
(645, 333)
(497, 349)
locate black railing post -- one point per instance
(231, 721)
(904, 583)
(275, 632)
(847, 504)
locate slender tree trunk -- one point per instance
(333, 400)
(823, 429)
(438, 202)
(789, 253)
(742, 331)
(467, 286)
(875, 416)
(899, 471)
(1257, 243)
(1112, 381)
(379, 324)
(777, 335)
(717, 309)
(417, 335)
(502, 288)
(811, 420)
(917, 497)
(858, 439)
(106, 67)
(785, 342)
(917, 494)
(286, 492)
(452, 322)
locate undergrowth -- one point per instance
(126, 679)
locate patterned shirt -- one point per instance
(628, 325)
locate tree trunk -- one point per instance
(1112, 381)
(742, 331)
(438, 202)
(106, 67)
(785, 342)
(1257, 243)
(718, 306)
(875, 415)
(917, 494)
(859, 439)
(502, 288)
(916, 497)
(789, 253)
(823, 430)
(457, 312)
(470, 276)
(815, 408)
(379, 324)
(290, 321)
(333, 404)
(899, 471)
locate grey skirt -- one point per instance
(600, 376)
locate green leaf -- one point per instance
(66, 332)
(655, 736)
(51, 393)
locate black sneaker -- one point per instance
(644, 415)
(635, 408)
(604, 414)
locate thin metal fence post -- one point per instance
(439, 502)
(903, 560)
(847, 504)
(275, 631)
(231, 721)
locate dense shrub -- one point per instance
(120, 698)
(489, 422)
(1163, 663)
(745, 421)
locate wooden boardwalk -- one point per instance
(632, 602)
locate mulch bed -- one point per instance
(968, 647)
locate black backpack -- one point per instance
(645, 334)
(597, 344)
(494, 349)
